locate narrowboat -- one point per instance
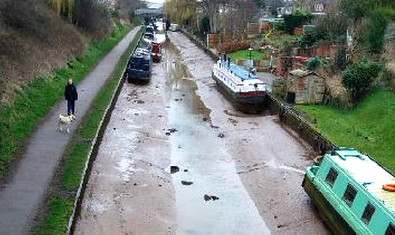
(139, 66)
(157, 51)
(247, 92)
(352, 194)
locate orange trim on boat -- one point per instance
(389, 187)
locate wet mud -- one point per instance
(269, 161)
(130, 189)
(210, 198)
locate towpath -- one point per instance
(21, 195)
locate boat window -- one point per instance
(331, 177)
(349, 195)
(368, 213)
(390, 230)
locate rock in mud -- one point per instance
(174, 169)
(205, 119)
(221, 135)
(183, 182)
(215, 127)
(210, 197)
(172, 130)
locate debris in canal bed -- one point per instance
(215, 127)
(205, 119)
(210, 197)
(136, 114)
(139, 101)
(174, 169)
(280, 226)
(159, 185)
(172, 130)
(221, 135)
(135, 184)
(185, 170)
(167, 133)
(179, 146)
(114, 128)
(233, 121)
(184, 182)
(182, 95)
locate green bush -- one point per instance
(279, 25)
(358, 77)
(298, 19)
(375, 31)
(312, 36)
(340, 59)
(313, 64)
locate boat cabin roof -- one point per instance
(240, 72)
(367, 173)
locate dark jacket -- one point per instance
(70, 92)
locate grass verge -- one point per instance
(245, 55)
(368, 128)
(19, 119)
(60, 201)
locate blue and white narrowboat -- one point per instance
(241, 85)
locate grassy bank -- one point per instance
(59, 204)
(245, 55)
(19, 119)
(369, 127)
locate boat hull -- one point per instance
(138, 77)
(331, 217)
(252, 103)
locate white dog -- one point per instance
(65, 121)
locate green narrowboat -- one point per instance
(347, 187)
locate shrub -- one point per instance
(358, 77)
(94, 17)
(297, 19)
(279, 25)
(340, 59)
(312, 36)
(375, 31)
(313, 64)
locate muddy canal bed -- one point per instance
(177, 158)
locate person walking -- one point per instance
(71, 95)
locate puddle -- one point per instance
(216, 202)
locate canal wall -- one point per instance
(93, 153)
(286, 113)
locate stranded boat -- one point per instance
(242, 86)
(140, 64)
(352, 193)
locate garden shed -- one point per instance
(307, 86)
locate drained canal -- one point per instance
(177, 158)
(210, 197)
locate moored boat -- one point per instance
(140, 64)
(349, 190)
(242, 86)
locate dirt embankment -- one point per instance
(33, 41)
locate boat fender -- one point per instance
(389, 187)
